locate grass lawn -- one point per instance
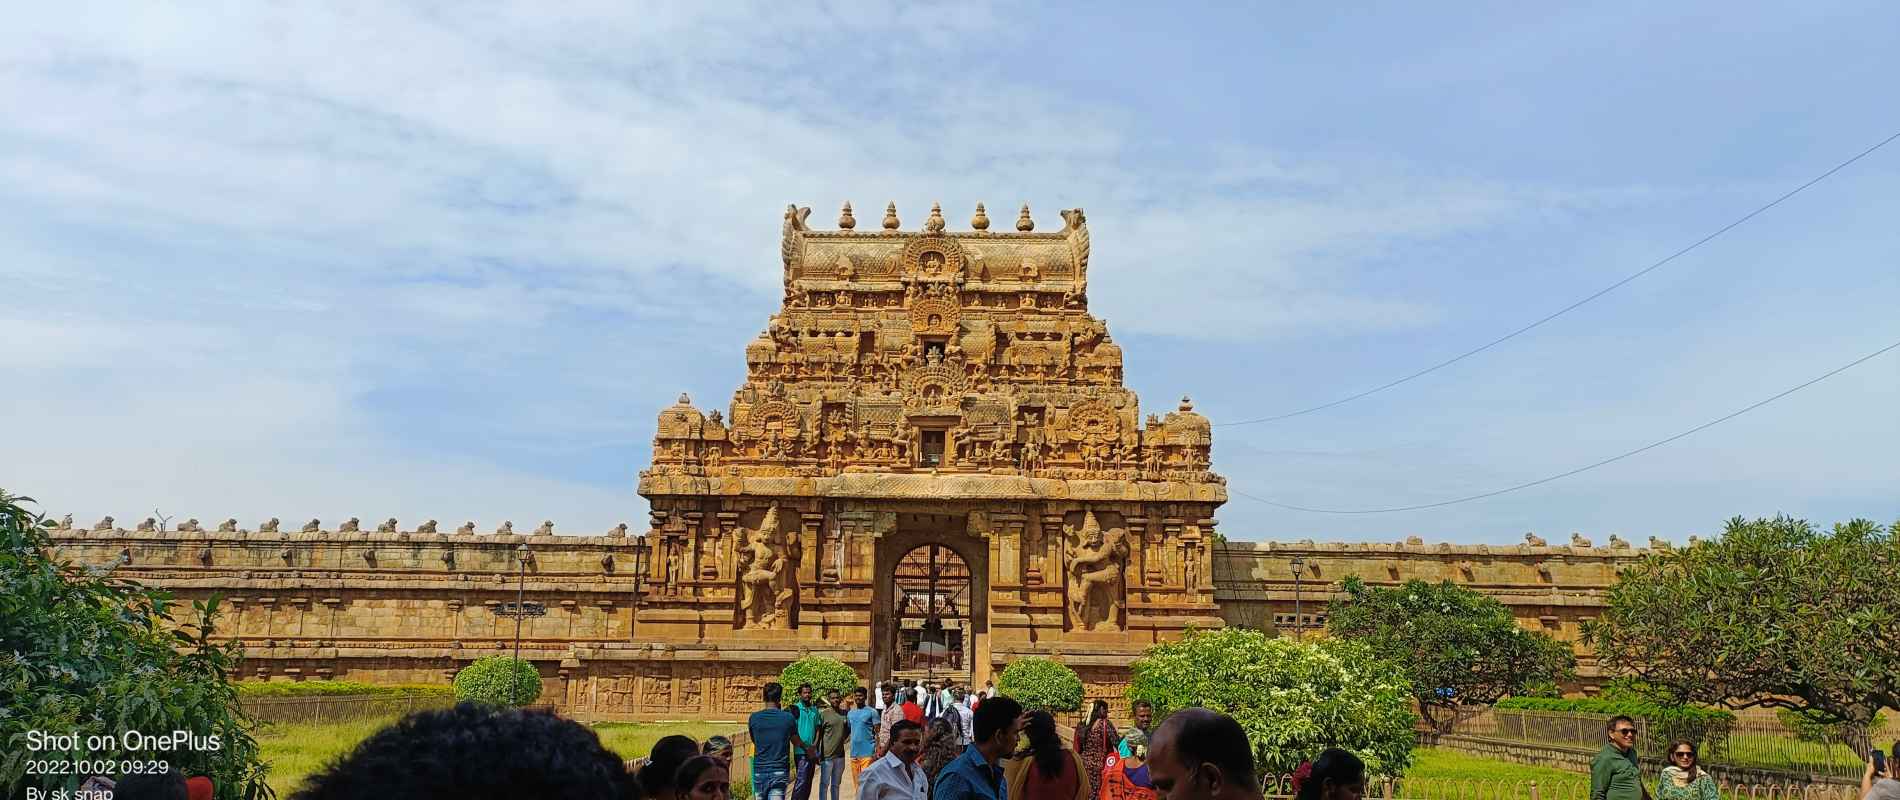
(1437, 764)
(1450, 775)
(295, 750)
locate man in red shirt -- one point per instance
(912, 711)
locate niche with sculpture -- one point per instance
(766, 575)
(1097, 560)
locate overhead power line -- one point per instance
(1587, 467)
(1573, 306)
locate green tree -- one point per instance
(822, 673)
(498, 680)
(1455, 646)
(1041, 684)
(95, 656)
(1294, 699)
(1775, 613)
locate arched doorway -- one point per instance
(932, 598)
(930, 609)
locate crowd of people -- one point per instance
(967, 746)
(995, 751)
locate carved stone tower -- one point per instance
(934, 391)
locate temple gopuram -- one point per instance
(942, 400)
(931, 469)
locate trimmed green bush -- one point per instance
(1294, 699)
(1041, 684)
(1808, 727)
(822, 673)
(498, 680)
(249, 689)
(1663, 723)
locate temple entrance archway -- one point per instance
(930, 611)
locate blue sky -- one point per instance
(435, 262)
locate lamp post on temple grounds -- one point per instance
(1299, 622)
(521, 586)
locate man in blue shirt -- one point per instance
(863, 721)
(978, 774)
(774, 733)
(806, 756)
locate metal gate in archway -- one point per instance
(932, 598)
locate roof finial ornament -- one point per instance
(981, 221)
(684, 400)
(1186, 404)
(935, 223)
(845, 220)
(890, 216)
(1023, 222)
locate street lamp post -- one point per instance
(521, 587)
(1299, 621)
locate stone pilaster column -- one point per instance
(810, 536)
(1171, 531)
(713, 568)
(1043, 567)
(1138, 530)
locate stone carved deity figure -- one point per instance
(765, 591)
(1096, 559)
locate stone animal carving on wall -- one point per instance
(270, 525)
(150, 524)
(351, 525)
(1577, 540)
(228, 526)
(313, 526)
(387, 526)
(190, 526)
(1096, 559)
(426, 527)
(765, 589)
(103, 525)
(1534, 540)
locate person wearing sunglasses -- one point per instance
(1878, 782)
(1614, 774)
(1684, 778)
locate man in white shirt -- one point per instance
(896, 776)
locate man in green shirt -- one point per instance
(1614, 774)
(834, 729)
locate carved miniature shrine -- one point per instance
(929, 387)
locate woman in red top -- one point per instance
(1095, 740)
(1127, 778)
(1045, 770)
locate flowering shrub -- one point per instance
(1294, 699)
(1041, 684)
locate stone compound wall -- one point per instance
(416, 607)
(1552, 589)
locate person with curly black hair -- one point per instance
(475, 752)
